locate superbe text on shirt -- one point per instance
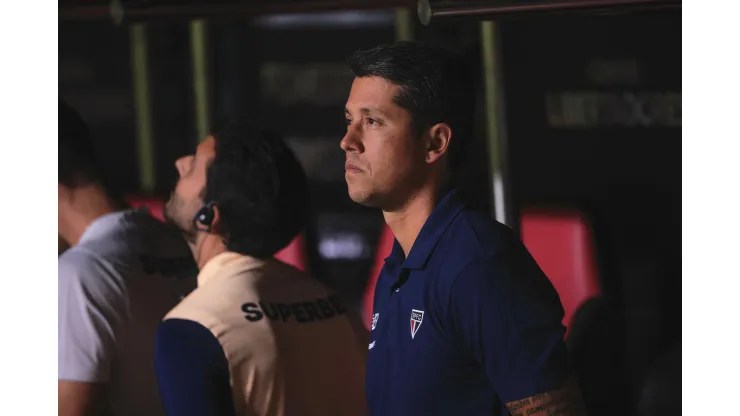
(302, 312)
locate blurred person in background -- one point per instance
(463, 318)
(123, 271)
(258, 336)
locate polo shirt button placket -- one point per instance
(391, 350)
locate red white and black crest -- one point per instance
(416, 317)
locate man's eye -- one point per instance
(371, 121)
(348, 121)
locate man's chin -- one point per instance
(364, 198)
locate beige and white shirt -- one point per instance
(284, 342)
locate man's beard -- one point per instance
(172, 213)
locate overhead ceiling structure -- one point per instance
(428, 10)
(433, 10)
(144, 10)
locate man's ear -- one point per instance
(438, 141)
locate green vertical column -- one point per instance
(404, 25)
(142, 106)
(198, 48)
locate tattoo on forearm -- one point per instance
(562, 402)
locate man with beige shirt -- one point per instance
(257, 336)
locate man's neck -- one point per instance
(87, 205)
(407, 221)
(207, 247)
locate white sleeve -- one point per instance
(91, 311)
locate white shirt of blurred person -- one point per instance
(123, 271)
(257, 337)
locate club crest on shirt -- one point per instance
(416, 317)
(375, 321)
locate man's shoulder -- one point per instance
(282, 289)
(474, 240)
(132, 231)
(495, 261)
(191, 307)
(483, 233)
(128, 251)
(80, 263)
(86, 278)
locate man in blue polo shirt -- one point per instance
(463, 318)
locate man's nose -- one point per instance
(352, 140)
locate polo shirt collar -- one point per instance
(225, 265)
(440, 218)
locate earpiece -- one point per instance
(205, 217)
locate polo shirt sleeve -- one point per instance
(508, 317)
(192, 370)
(91, 310)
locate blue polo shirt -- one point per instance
(463, 325)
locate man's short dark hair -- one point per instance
(436, 86)
(76, 151)
(259, 187)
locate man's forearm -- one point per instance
(565, 401)
(79, 399)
